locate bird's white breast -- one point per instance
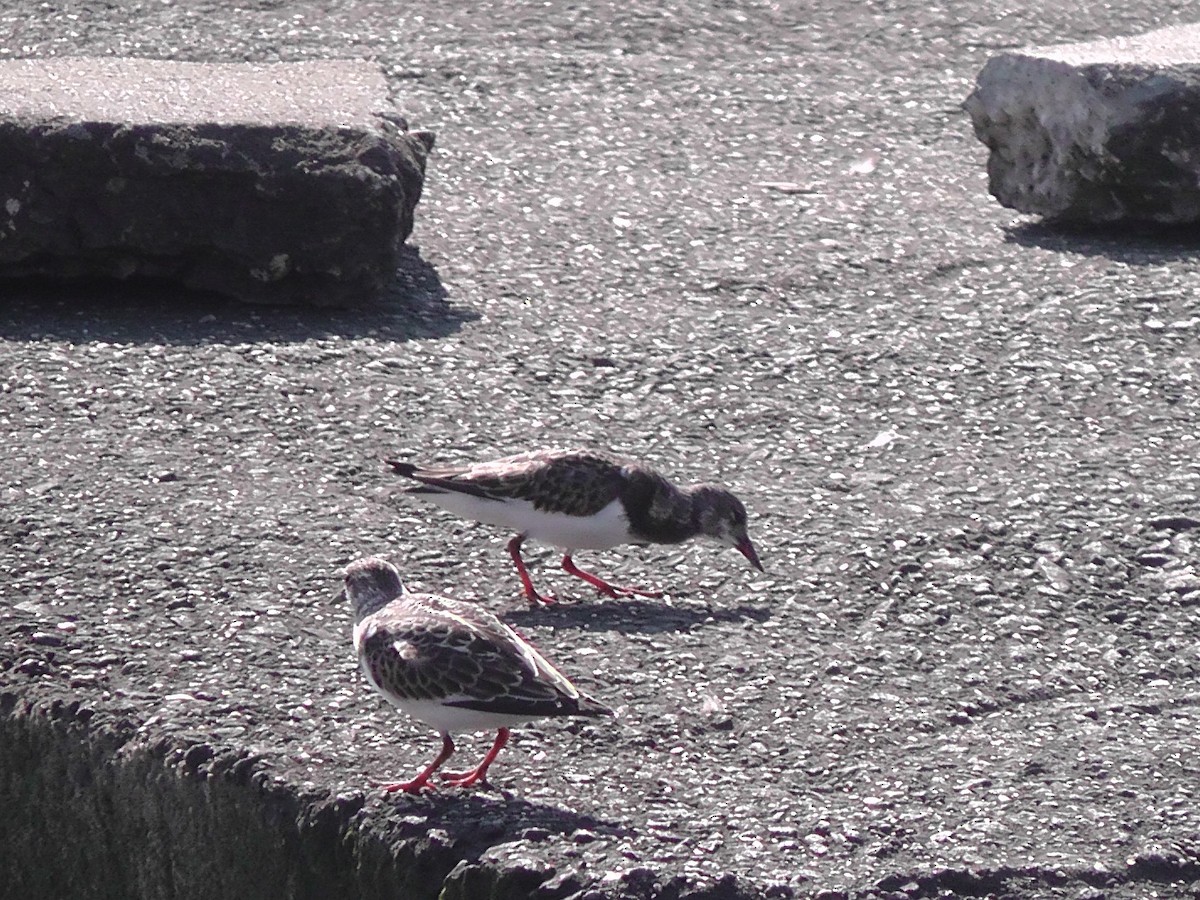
(600, 531)
(454, 718)
(360, 634)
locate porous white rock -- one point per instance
(1095, 132)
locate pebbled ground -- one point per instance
(968, 445)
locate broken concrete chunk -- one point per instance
(274, 182)
(1096, 132)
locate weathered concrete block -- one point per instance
(281, 182)
(92, 809)
(1096, 132)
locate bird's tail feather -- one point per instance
(400, 467)
(413, 471)
(594, 708)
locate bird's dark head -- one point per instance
(370, 584)
(721, 516)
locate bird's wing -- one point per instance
(577, 483)
(471, 663)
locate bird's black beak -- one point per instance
(339, 597)
(747, 550)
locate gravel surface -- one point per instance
(968, 445)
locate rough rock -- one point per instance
(283, 182)
(97, 811)
(956, 441)
(1096, 132)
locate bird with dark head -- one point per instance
(721, 516)
(582, 500)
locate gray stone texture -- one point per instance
(968, 448)
(116, 815)
(279, 182)
(1096, 132)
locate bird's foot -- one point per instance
(466, 779)
(535, 599)
(605, 588)
(415, 786)
(615, 591)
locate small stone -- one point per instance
(32, 666)
(563, 884)
(1174, 523)
(786, 187)
(1182, 583)
(198, 755)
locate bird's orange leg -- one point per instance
(422, 781)
(609, 590)
(478, 775)
(514, 550)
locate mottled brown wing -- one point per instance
(575, 482)
(459, 666)
(579, 484)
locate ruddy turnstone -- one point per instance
(452, 666)
(583, 500)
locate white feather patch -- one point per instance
(600, 531)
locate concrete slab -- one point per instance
(1095, 132)
(968, 451)
(275, 182)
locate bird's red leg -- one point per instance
(478, 775)
(514, 550)
(609, 590)
(422, 780)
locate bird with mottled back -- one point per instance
(452, 665)
(582, 499)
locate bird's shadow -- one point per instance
(476, 821)
(635, 615)
(414, 306)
